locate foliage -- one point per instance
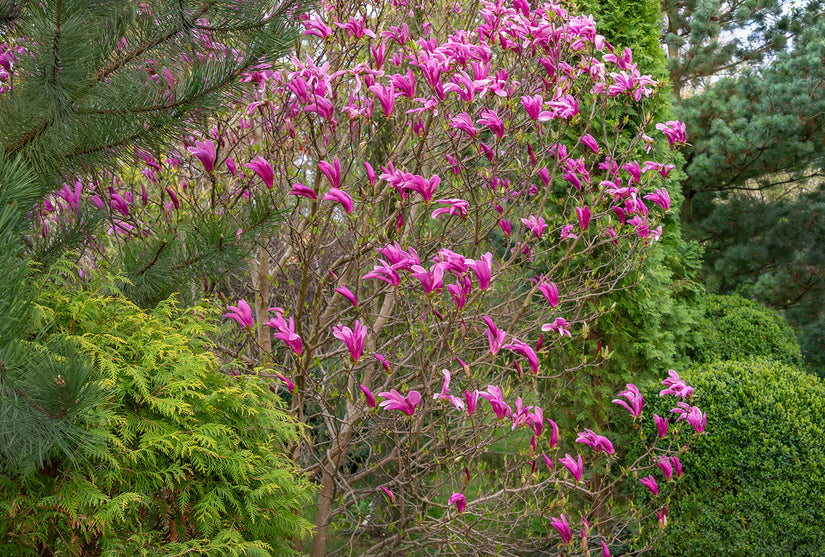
(184, 457)
(635, 24)
(656, 309)
(755, 164)
(83, 84)
(771, 252)
(734, 328)
(754, 482)
(76, 104)
(426, 161)
(711, 39)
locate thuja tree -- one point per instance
(423, 158)
(177, 457)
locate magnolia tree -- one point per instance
(458, 188)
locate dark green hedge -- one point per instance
(734, 328)
(754, 485)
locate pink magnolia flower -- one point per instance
(464, 122)
(490, 119)
(583, 214)
(432, 280)
(384, 272)
(635, 172)
(567, 233)
(533, 105)
(605, 550)
(676, 386)
(673, 130)
(386, 96)
(535, 224)
(173, 196)
(397, 401)
(650, 483)
(119, 203)
(388, 493)
(559, 325)
(370, 173)
(423, 186)
(331, 171)
(459, 501)
(368, 396)
(677, 466)
(458, 207)
(544, 174)
(634, 397)
(289, 384)
(472, 400)
(494, 396)
(304, 191)
(661, 425)
(317, 27)
(340, 196)
(547, 461)
(445, 392)
(576, 467)
(598, 442)
(230, 164)
(286, 333)
(554, 436)
(241, 313)
(506, 227)
(666, 467)
(660, 197)
(494, 336)
(483, 269)
(205, 151)
(263, 169)
(589, 141)
(661, 516)
(693, 416)
(525, 350)
(347, 293)
(551, 292)
(355, 339)
(561, 526)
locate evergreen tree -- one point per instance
(758, 147)
(709, 39)
(84, 84)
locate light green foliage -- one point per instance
(187, 460)
(754, 485)
(734, 328)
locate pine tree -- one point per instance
(754, 120)
(85, 84)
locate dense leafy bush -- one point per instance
(187, 460)
(734, 328)
(755, 482)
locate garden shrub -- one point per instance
(754, 484)
(735, 328)
(188, 460)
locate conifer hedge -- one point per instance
(178, 457)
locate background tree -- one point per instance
(751, 80)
